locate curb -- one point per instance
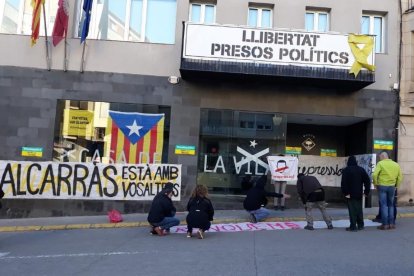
(32, 228)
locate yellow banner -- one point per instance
(361, 55)
(77, 123)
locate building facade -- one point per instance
(236, 81)
(406, 126)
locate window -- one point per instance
(132, 20)
(259, 17)
(16, 17)
(103, 132)
(374, 25)
(203, 13)
(316, 21)
(234, 144)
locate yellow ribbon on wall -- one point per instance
(361, 55)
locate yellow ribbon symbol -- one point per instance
(361, 55)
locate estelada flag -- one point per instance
(60, 28)
(135, 134)
(37, 9)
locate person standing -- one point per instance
(256, 200)
(354, 184)
(162, 212)
(279, 202)
(387, 178)
(312, 195)
(200, 212)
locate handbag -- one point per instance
(114, 216)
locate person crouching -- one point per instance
(256, 200)
(162, 212)
(200, 212)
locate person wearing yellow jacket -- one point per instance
(387, 178)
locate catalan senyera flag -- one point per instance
(37, 9)
(134, 134)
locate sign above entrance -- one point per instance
(271, 46)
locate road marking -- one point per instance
(2, 254)
(74, 255)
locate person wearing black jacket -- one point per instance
(256, 200)
(312, 195)
(162, 212)
(200, 212)
(354, 184)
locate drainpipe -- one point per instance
(398, 90)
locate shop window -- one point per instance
(131, 20)
(317, 21)
(111, 132)
(259, 16)
(374, 25)
(202, 13)
(16, 17)
(238, 148)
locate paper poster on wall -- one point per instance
(32, 152)
(54, 180)
(328, 152)
(283, 168)
(77, 123)
(383, 144)
(293, 150)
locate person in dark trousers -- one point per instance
(378, 216)
(256, 200)
(312, 194)
(200, 212)
(162, 212)
(354, 184)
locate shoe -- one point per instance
(377, 220)
(383, 227)
(361, 228)
(308, 227)
(200, 234)
(330, 227)
(189, 234)
(282, 208)
(159, 231)
(253, 218)
(276, 208)
(351, 229)
(166, 231)
(152, 231)
(392, 226)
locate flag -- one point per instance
(60, 28)
(133, 134)
(37, 9)
(87, 7)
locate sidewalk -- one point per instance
(140, 220)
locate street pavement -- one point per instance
(131, 250)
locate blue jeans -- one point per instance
(260, 214)
(386, 198)
(167, 223)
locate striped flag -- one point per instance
(137, 137)
(37, 9)
(61, 23)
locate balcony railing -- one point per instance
(410, 5)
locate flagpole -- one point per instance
(46, 40)
(65, 61)
(83, 55)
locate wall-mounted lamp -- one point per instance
(277, 120)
